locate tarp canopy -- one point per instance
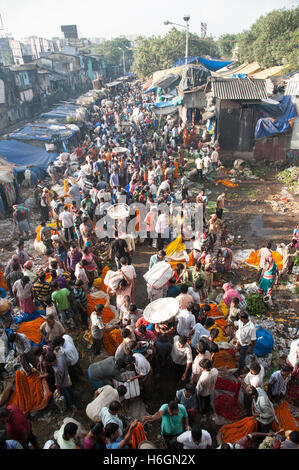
(246, 68)
(62, 111)
(24, 156)
(40, 130)
(167, 81)
(210, 64)
(269, 126)
(193, 76)
(269, 72)
(166, 110)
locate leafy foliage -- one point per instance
(225, 44)
(272, 40)
(112, 52)
(158, 53)
(255, 305)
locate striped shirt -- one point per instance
(41, 290)
(80, 296)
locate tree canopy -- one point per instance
(272, 40)
(157, 53)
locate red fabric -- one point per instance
(17, 424)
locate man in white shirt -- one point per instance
(185, 320)
(197, 438)
(67, 223)
(199, 166)
(103, 396)
(181, 355)
(206, 163)
(214, 158)
(206, 385)
(246, 336)
(65, 345)
(164, 186)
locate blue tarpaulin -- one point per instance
(43, 131)
(25, 155)
(269, 126)
(61, 111)
(212, 64)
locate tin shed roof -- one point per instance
(238, 88)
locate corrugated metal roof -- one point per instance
(292, 88)
(239, 89)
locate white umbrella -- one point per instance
(161, 310)
(120, 150)
(118, 211)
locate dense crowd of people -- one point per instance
(128, 157)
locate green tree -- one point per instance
(112, 51)
(272, 40)
(225, 45)
(158, 53)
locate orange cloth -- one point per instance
(191, 259)
(227, 183)
(31, 393)
(138, 435)
(176, 171)
(32, 329)
(254, 260)
(235, 431)
(103, 287)
(2, 280)
(285, 418)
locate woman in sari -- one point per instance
(269, 277)
(296, 235)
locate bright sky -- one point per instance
(111, 18)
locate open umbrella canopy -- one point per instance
(161, 310)
(119, 150)
(118, 211)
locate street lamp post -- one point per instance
(124, 61)
(186, 18)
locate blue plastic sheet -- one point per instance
(264, 342)
(268, 126)
(25, 155)
(212, 64)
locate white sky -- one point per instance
(111, 18)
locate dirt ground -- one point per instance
(252, 222)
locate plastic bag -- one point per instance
(59, 401)
(264, 342)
